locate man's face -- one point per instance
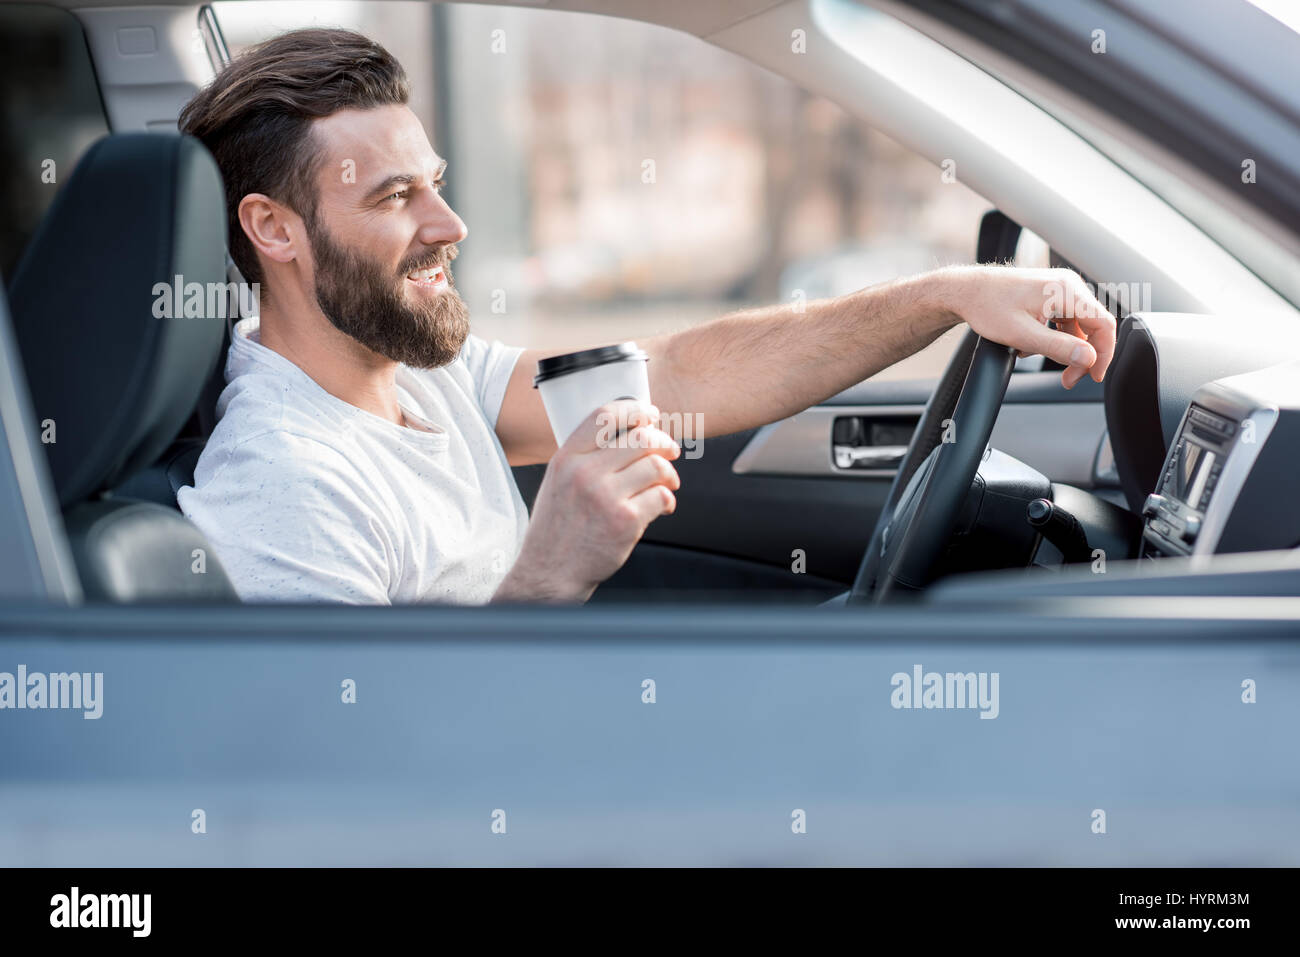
(383, 239)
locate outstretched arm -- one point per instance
(760, 365)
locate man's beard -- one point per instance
(361, 302)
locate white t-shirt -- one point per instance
(305, 497)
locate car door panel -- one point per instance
(772, 494)
(818, 525)
(652, 735)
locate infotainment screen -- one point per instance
(1190, 472)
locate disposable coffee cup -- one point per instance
(577, 384)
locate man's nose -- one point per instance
(440, 224)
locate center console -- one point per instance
(1231, 478)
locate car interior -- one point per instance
(116, 464)
(1171, 477)
(1118, 560)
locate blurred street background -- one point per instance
(620, 179)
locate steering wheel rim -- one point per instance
(968, 398)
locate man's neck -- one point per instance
(336, 362)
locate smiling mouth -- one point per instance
(433, 278)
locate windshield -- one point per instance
(1199, 101)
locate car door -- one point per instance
(651, 734)
(773, 504)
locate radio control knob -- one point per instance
(1191, 529)
(1152, 505)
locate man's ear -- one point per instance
(274, 230)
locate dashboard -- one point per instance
(1175, 513)
(1226, 479)
(1203, 416)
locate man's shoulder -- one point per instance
(261, 426)
(270, 475)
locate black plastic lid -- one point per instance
(586, 359)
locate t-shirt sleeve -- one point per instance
(290, 520)
(490, 365)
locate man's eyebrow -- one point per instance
(401, 179)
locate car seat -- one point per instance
(112, 385)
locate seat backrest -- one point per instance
(161, 481)
(115, 369)
(112, 383)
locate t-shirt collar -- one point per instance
(247, 351)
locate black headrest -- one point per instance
(111, 382)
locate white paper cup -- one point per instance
(577, 384)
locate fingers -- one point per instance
(1084, 337)
(1016, 306)
(1081, 314)
(638, 443)
(653, 502)
(603, 427)
(1059, 346)
(644, 472)
(1094, 321)
(623, 432)
(1070, 376)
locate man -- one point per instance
(365, 438)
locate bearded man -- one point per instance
(365, 436)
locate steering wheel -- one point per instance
(935, 475)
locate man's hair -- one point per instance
(255, 117)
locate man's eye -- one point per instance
(400, 194)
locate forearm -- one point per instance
(761, 365)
